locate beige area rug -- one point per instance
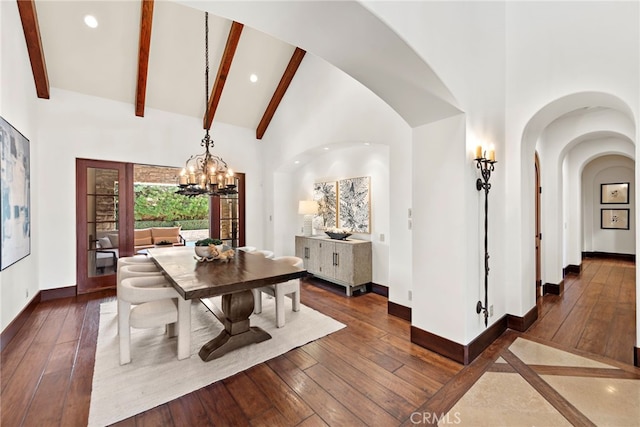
(155, 376)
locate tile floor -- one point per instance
(533, 384)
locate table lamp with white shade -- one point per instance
(308, 208)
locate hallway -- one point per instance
(595, 314)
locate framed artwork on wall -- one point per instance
(354, 210)
(614, 193)
(614, 219)
(15, 196)
(326, 194)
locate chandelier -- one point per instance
(206, 174)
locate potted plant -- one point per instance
(202, 246)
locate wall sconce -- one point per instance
(308, 208)
(486, 164)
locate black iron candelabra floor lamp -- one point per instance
(486, 164)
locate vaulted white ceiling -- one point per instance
(103, 61)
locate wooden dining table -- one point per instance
(233, 279)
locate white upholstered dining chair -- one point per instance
(145, 300)
(267, 254)
(290, 288)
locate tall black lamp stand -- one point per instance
(486, 166)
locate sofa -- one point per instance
(145, 238)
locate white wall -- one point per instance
(324, 107)
(19, 282)
(608, 169)
(72, 125)
(350, 162)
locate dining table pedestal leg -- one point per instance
(236, 309)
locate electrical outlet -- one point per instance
(382, 237)
(491, 310)
(410, 295)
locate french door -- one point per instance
(104, 226)
(226, 215)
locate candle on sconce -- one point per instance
(492, 155)
(183, 177)
(192, 176)
(479, 152)
(220, 180)
(212, 176)
(230, 180)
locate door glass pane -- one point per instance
(229, 213)
(102, 221)
(156, 203)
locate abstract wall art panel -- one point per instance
(326, 194)
(354, 208)
(15, 207)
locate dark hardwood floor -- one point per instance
(366, 374)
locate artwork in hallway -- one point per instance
(615, 219)
(15, 230)
(354, 208)
(326, 194)
(614, 193)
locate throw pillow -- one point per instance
(104, 243)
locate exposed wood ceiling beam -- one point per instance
(223, 71)
(146, 19)
(287, 76)
(27, 10)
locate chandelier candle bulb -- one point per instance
(492, 155)
(479, 152)
(183, 177)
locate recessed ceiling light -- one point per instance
(326, 148)
(90, 21)
(253, 78)
(297, 162)
(367, 143)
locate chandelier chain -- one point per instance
(206, 63)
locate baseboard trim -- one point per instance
(12, 329)
(571, 269)
(553, 289)
(399, 311)
(49, 294)
(379, 289)
(464, 354)
(523, 323)
(636, 356)
(625, 257)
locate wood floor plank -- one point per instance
(221, 408)
(158, 416)
(365, 409)
(313, 421)
(290, 405)
(385, 398)
(246, 393)
(301, 359)
(78, 397)
(326, 406)
(270, 418)
(402, 388)
(187, 408)
(363, 349)
(45, 409)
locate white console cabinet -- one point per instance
(345, 262)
